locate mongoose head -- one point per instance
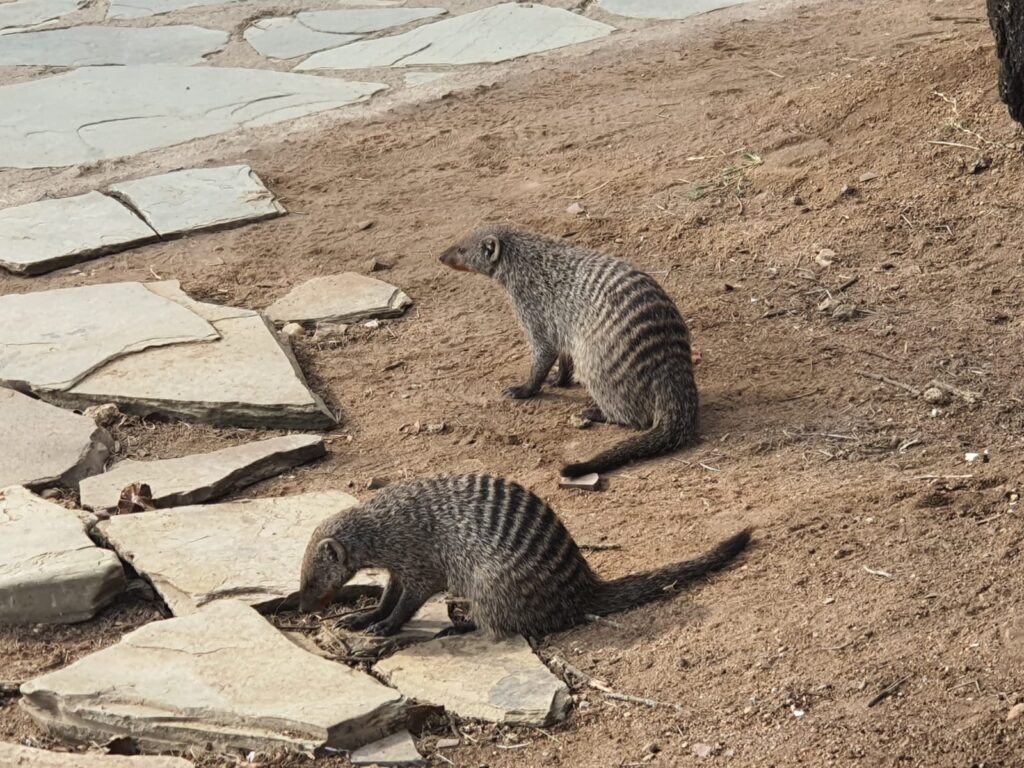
(326, 567)
(479, 252)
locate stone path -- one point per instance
(245, 550)
(223, 676)
(54, 447)
(50, 570)
(202, 477)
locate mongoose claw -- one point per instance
(381, 629)
(518, 393)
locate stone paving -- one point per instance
(218, 673)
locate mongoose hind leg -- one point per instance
(358, 620)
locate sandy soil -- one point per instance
(884, 560)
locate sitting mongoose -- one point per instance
(484, 539)
(611, 324)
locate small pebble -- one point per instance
(579, 422)
(378, 266)
(936, 396)
(104, 415)
(868, 176)
(702, 750)
(1016, 711)
(375, 483)
(825, 257)
(447, 743)
(575, 209)
(796, 200)
(372, 324)
(582, 483)
(293, 330)
(364, 224)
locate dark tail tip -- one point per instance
(729, 549)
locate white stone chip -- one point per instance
(345, 298)
(50, 570)
(247, 550)
(89, 46)
(499, 33)
(394, 750)
(50, 234)
(46, 446)
(199, 198)
(97, 113)
(203, 476)
(474, 677)
(52, 339)
(665, 9)
(224, 676)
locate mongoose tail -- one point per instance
(640, 588)
(664, 437)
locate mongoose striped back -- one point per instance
(485, 539)
(610, 323)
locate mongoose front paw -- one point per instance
(519, 393)
(381, 629)
(354, 621)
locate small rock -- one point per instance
(1015, 712)
(293, 330)
(375, 483)
(847, 191)
(447, 743)
(364, 225)
(829, 600)
(575, 209)
(827, 304)
(579, 422)
(104, 415)
(825, 257)
(379, 266)
(702, 750)
(796, 200)
(396, 749)
(582, 483)
(328, 331)
(981, 164)
(972, 456)
(435, 429)
(372, 324)
(868, 176)
(936, 396)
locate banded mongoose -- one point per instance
(1006, 17)
(484, 539)
(611, 324)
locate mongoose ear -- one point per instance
(491, 247)
(333, 550)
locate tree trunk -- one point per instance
(1007, 20)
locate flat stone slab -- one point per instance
(222, 676)
(50, 570)
(245, 379)
(51, 234)
(499, 33)
(47, 446)
(284, 37)
(52, 339)
(135, 9)
(665, 9)
(200, 198)
(474, 677)
(345, 298)
(88, 46)
(27, 13)
(355, 21)
(246, 550)
(97, 113)
(396, 749)
(204, 476)
(17, 756)
(310, 31)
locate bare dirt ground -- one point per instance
(725, 166)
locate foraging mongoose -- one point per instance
(484, 539)
(611, 324)
(1006, 17)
